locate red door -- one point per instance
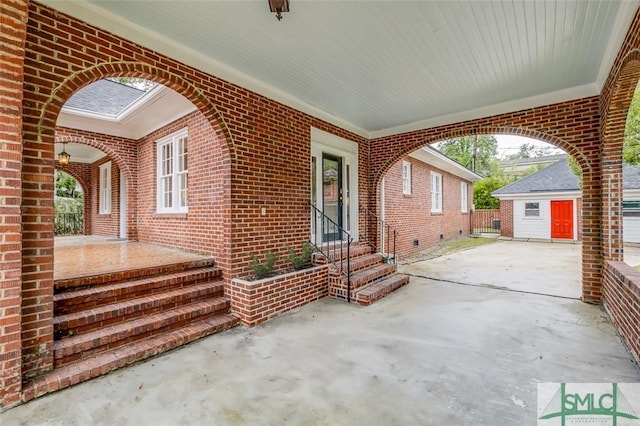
(562, 219)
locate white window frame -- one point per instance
(533, 212)
(172, 176)
(436, 192)
(104, 206)
(406, 177)
(464, 197)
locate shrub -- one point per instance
(300, 261)
(263, 269)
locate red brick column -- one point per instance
(13, 17)
(506, 218)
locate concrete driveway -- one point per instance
(536, 267)
(433, 353)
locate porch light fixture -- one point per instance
(279, 6)
(64, 156)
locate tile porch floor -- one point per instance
(80, 256)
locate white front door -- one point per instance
(334, 183)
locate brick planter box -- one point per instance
(255, 302)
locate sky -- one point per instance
(508, 145)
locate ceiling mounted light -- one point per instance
(64, 156)
(279, 6)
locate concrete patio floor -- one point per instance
(433, 353)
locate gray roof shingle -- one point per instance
(104, 97)
(558, 177)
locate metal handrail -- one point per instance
(329, 249)
(387, 235)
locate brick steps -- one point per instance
(100, 316)
(379, 289)
(84, 345)
(361, 262)
(102, 363)
(102, 323)
(86, 298)
(371, 278)
(113, 277)
(337, 253)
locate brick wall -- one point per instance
(506, 218)
(411, 214)
(265, 150)
(265, 147)
(621, 296)
(260, 301)
(123, 154)
(199, 230)
(81, 172)
(12, 31)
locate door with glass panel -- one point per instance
(332, 197)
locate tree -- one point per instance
(482, 190)
(529, 150)
(631, 144)
(66, 186)
(461, 150)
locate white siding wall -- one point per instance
(630, 224)
(532, 227)
(631, 229)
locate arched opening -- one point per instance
(117, 149)
(524, 195)
(69, 204)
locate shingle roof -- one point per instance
(558, 177)
(104, 97)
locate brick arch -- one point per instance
(613, 128)
(570, 149)
(75, 81)
(114, 155)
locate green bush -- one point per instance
(300, 261)
(263, 269)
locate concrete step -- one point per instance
(78, 300)
(112, 277)
(84, 345)
(107, 361)
(84, 321)
(379, 289)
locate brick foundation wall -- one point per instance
(260, 301)
(411, 214)
(506, 218)
(621, 296)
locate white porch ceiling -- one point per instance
(383, 67)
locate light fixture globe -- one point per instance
(64, 157)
